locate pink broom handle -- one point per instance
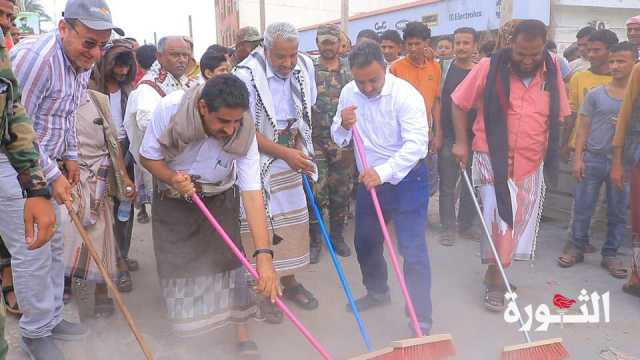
(196, 199)
(387, 239)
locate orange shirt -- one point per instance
(425, 78)
(527, 118)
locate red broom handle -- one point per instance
(387, 238)
(196, 200)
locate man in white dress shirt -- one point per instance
(199, 141)
(391, 118)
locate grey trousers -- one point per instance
(38, 275)
(449, 175)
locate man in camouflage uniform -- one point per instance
(20, 164)
(335, 165)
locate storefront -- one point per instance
(442, 16)
(564, 17)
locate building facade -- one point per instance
(227, 21)
(564, 17)
(234, 14)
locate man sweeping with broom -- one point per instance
(201, 141)
(377, 100)
(519, 97)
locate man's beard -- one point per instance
(120, 80)
(522, 73)
(329, 54)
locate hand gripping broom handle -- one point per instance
(196, 200)
(487, 233)
(387, 238)
(336, 262)
(105, 275)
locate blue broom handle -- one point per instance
(336, 263)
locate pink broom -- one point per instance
(196, 200)
(422, 347)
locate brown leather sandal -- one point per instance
(571, 255)
(614, 266)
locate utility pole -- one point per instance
(55, 13)
(155, 38)
(191, 28)
(344, 12)
(506, 11)
(263, 20)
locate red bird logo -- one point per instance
(562, 302)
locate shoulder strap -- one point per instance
(155, 87)
(100, 105)
(112, 144)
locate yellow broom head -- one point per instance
(435, 347)
(551, 349)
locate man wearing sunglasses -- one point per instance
(53, 72)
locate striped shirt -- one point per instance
(51, 93)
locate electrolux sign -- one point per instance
(443, 17)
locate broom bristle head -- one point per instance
(436, 347)
(540, 350)
(381, 354)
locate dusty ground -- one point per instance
(456, 293)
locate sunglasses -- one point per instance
(89, 44)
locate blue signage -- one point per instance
(443, 17)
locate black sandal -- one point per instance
(269, 312)
(632, 289)
(143, 217)
(248, 350)
(15, 308)
(104, 306)
(301, 297)
(132, 264)
(67, 295)
(494, 297)
(125, 284)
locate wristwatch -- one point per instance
(30, 193)
(263, 251)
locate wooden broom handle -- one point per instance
(116, 294)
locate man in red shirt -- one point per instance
(519, 97)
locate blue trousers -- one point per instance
(406, 205)
(596, 173)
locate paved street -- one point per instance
(458, 310)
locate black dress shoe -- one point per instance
(342, 249)
(314, 254)
(315, 244)
(371, 300)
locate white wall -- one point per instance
(567, 20)
(306, 12)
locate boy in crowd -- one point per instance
(213, 63)
(582, 82)
(444, 48)
(391, 45)
(592, 164)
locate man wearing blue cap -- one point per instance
(53, 72)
